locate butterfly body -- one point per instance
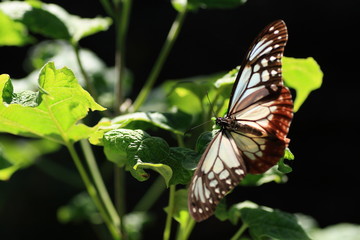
(231, 124)
(252, 135)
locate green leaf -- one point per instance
(271, 175)
(134, 223)
(80, 208)
(303, 75)
(57, 51)
(53, 21)
(182, 161)
(12, 33)
(16, 154)
(83, 27)
(162, 169)
(174, 122)
(344, 231)
(36, 19)
(188, 94)
(54, 113)
(180, 211)
(264, 222)
(137, 151)
(204, 139)
(282, 166)
(221, 211)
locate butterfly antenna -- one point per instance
(190, 129)
(212, 110)
(211, 106)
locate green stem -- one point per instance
(93, 193)
(170, 40)
(180, 140)
(99, 183)
(89, 84)
(121, 24)
(241, 230)
(167, 230)
(119, 185)
(151, 195)
(185, 232)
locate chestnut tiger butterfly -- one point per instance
(252, 135)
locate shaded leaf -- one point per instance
(137, 151)
(264, 222)
(16, 154)
(80, 208)
(180, 159)
(134, 224)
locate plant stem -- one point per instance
(241, 230)
(151, 195)
(119, 185)
(93, 193)
(170, 40)
(167, 230)
(121, 18)
(89, 84)
(121, 25)
(99, 183)
(184, 232)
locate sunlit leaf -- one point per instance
(52, 113)
(303, 75)
(12, 33)
(53, 21)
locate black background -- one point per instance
(324, 133)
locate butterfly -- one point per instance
(252, 136)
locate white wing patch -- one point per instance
(259, 47)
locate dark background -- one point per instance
(324, 183)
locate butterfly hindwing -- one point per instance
(272, 121)
(220, 169)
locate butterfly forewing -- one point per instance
(260, 72)
(252, 137)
